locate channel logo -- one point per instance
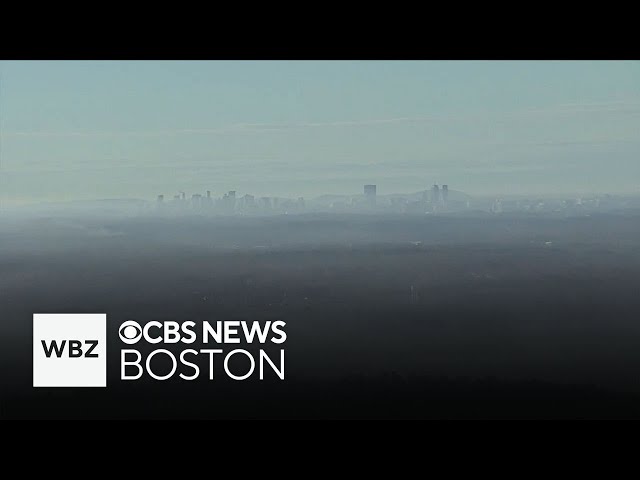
(239, 363)
(130, 332)
(69, 350)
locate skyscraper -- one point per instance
(435, 194)
(370, 194)
(445, 193)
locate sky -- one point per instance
(79, 130)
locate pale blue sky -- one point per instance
(80, 130)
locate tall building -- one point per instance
(208, 201)
(229, 201)
(247, 202)
(435, 194)
(445, 193)
(370, 194)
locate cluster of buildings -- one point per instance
(230, 203)
(558, 205)
(436, 199)
(431, 200)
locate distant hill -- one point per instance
(454, 195)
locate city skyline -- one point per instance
(438, 200)
(85, 130)
(187, 195)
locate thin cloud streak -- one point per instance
(616, 107)
(237, 128)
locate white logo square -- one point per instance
(69, 350)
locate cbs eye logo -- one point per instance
(130, 332)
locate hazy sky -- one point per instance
(80, 130)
